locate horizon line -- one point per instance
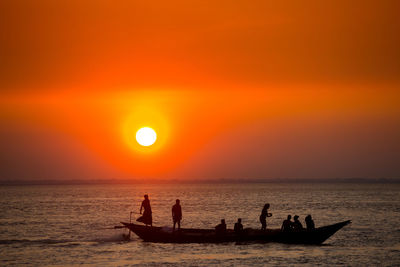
(196, 181)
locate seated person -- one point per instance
(309, 223)
(297, 226)
(238, 226)
(287, 224)
(220, 229)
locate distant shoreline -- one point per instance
(199, 181)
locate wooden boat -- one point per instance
(164, 235)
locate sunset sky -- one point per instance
(234, 89)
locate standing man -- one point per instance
(146, 218)
(177, 214)
(264, 215)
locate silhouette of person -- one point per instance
(220, 229)
(177, 214)
(297, 226)
(264, 215)
(238, 226)
(146, 218)
(287, 224)
(309, 223)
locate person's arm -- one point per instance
(141, 208)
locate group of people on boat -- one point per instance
(296, 226)
(287, 225)
(221, 228)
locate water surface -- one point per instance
(64, 225)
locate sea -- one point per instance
(68, 225)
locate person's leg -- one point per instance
(173, 228)
(264, 225)
(179, 225)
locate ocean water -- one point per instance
(67, 225)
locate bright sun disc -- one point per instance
(146, 136)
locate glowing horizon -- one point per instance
(260, 90)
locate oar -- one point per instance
(115, 227)
(128, 236)
(130, 221)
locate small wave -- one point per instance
(12, 223)
(27, 241)
(114, 238)
(105, 239)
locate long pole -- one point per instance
(130, 221)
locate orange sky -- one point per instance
(251, 89)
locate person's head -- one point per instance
(308, 218)
(178, 201)
(223, 221)
(146, 196)
(289, 217)
(266, 206)
(239, 220)
(296, 217)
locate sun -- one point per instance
(146, 136)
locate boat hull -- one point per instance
(161, 235)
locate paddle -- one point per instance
(115, 227)
(128, 236)
(122, 226)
